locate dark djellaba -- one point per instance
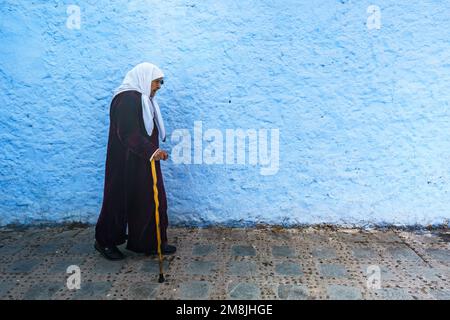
(129, 201)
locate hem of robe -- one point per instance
(114, 243)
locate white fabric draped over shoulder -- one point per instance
(139, 79)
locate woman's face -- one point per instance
(156, 85)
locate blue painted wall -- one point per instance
(363, 114)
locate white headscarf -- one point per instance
(139, 79)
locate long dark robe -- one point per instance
(128, 191)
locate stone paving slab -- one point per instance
(293, 292)
(342, 292)
(225, 263)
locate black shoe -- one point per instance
(110, 253)
(165, 249)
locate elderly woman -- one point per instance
(135, 124)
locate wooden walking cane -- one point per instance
(158, 233)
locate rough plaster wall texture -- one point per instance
(363, 114)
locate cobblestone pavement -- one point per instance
(226, 263)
